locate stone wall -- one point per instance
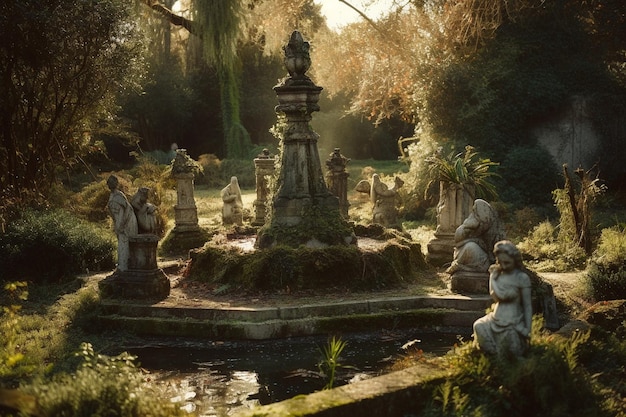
(396, 394)
(569, 136)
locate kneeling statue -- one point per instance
(506, 330)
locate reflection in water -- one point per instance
(216, 378)
(208, 393)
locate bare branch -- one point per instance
(174, 19)
(363, 15)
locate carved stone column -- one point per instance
(303, 210)
(264, 166)
(185, 210)
(337, 179)
(186, 234)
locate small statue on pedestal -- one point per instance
(385, 200)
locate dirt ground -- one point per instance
(189, 293)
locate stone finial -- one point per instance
(336, 161)
(184, 164)
(297, 58)
(265, 154)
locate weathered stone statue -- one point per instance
(124, 221)
(385, 200)
(145, 212)
(473, 241)
(232, 211)
(137, 274)
(506, 330)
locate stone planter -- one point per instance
(455, 205)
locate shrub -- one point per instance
(547, 250)
(101, 386)
(210, 170)
(52, 245)
(529, 174)
(605, 277)
(558, 377)
(91, 202)
(240, 168)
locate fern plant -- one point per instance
(465, 168)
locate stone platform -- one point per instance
(286, 317)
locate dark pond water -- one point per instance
(216, 378)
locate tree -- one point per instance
(61, 64)
(223, 27)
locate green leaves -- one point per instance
(330, 362)
(466, 168)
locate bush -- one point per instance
(52, 245)
(529, 174)
(210, 170)
(102, 386)
(546, 250)
(558, 377)
(217, 173)
(240, 168)
(605, 276)
(91, 202)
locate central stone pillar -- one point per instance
(304, 211)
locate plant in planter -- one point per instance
(466, 169)
(462, 177)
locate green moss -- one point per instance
(319, 222)
(392, 319)
(177, 243)
(284, 267)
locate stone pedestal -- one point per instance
(455, 205)
(185, 211)
(303, 209)
(186, 234)
(264, 166)
(143, 279)
(337, 179)
(470, 282)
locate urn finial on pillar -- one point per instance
(303, 209)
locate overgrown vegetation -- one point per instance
(560, 376)
(101, 386)
(605, 277)
(568, 245)
(52, 245)
(40, 376)
(282, 268)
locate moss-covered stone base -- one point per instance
(140, 284)
(180, 242)
(390, 263)
(310, 223)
